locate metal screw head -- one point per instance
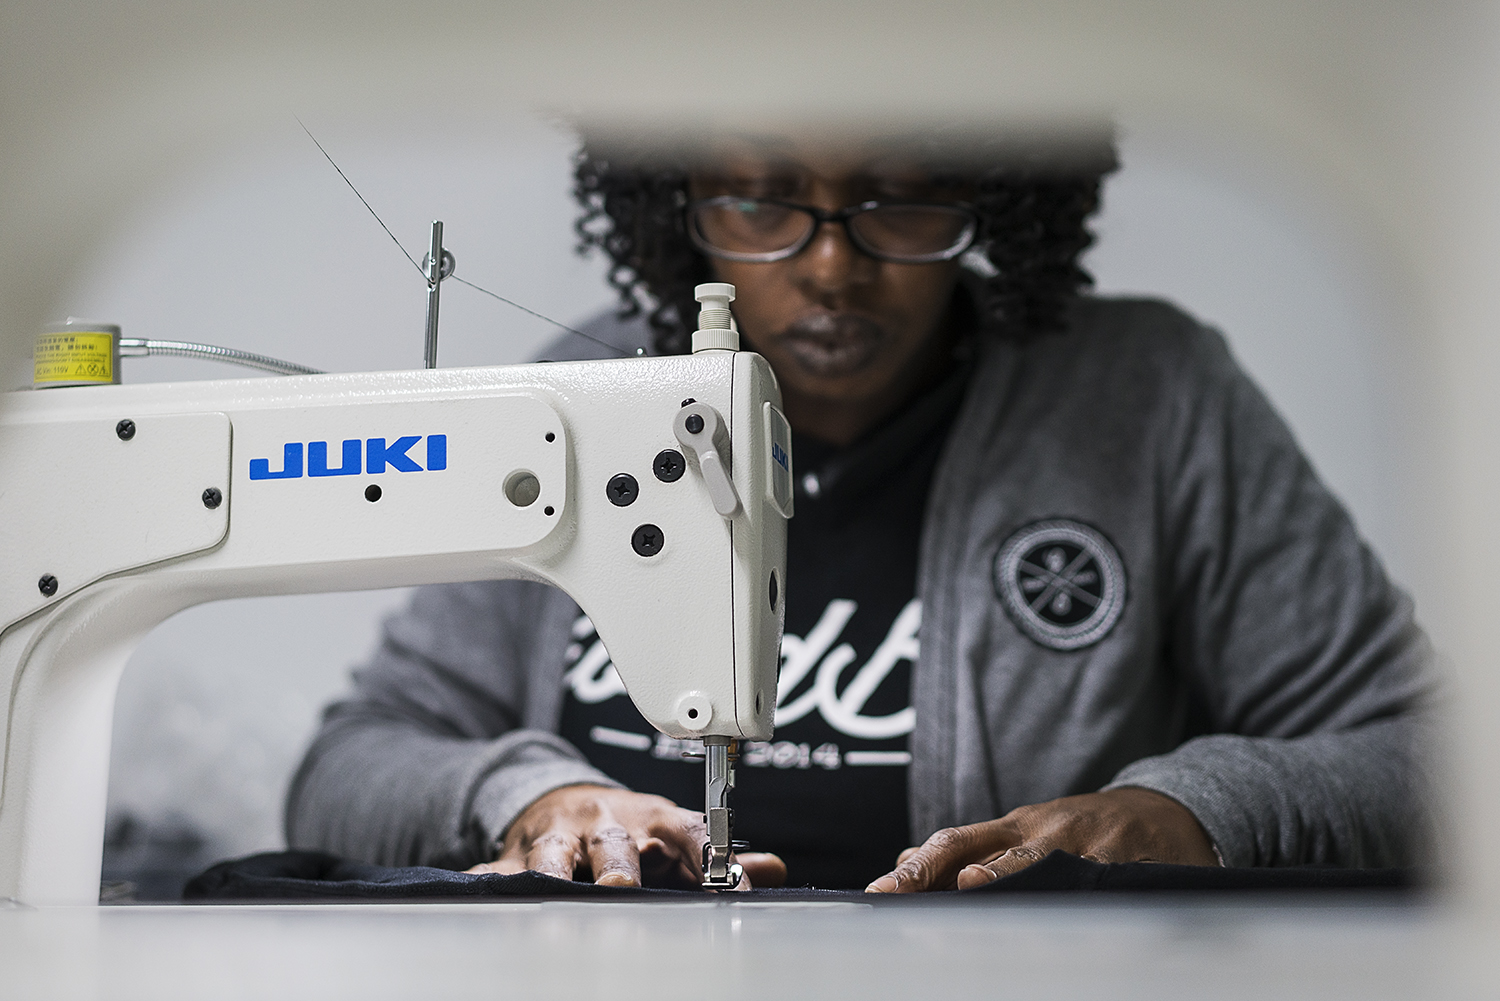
(622, 490)
(694, 424)
(47, 585)
(689, 402)
(125, 429)
(212, 498)
(669, 465)
(647, 540)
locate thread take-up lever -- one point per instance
(701, 431)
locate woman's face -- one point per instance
(850, 337)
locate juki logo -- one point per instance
(779, 454)
(377, 455)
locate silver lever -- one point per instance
(718, 872)
(438, 264)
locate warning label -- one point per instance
(73, 357)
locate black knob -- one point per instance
(125, 429)
(669, 465)
(694, 423)
(622, 490)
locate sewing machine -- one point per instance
(654, 491)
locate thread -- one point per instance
(423, 271)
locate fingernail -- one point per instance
(885, 884)
(615, 879)
(983, 874)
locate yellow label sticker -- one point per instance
(73, 356)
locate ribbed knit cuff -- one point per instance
(524, 774)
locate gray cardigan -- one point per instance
(1261, 669)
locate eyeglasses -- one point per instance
(765, 229)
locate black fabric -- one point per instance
(829, 792)
(314, 876)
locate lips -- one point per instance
(832, 344)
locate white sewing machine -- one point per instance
(654, 491)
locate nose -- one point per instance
(831, 264)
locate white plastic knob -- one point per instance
(717, 330)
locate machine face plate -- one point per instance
(374, 480)
(86, 498)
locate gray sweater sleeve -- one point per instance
(1310, 684)
(445, 739)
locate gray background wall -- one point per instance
(272, 253)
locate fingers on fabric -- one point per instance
(680, 835)
(555, 853)
(763, 868)
(1011, 861)
(613, 856)
(936, 864)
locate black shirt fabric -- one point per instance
(829, 792)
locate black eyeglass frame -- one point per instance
(842, 217)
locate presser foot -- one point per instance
(719, 873)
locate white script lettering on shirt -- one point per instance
(593, 679)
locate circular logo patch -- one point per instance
(1061, 582)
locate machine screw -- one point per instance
(47, 585)
(774, 590)
(622, 490)
(689, 402)
(212, 498)
(125, 429)
(669, 465)
(694, 424)
(647, 540)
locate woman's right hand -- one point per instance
(615, 837)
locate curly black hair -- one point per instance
(1034, 203)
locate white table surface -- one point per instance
(1117, 948)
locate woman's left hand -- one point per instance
(1118, 825)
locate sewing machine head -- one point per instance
(654, 491)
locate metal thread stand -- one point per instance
(438, 265)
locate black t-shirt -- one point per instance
(828, 792)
